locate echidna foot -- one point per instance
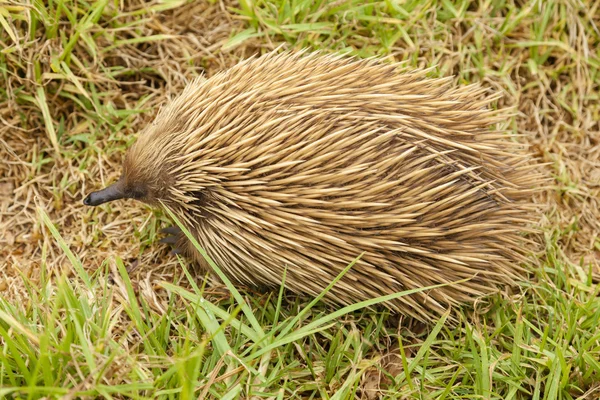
(171, 230)
(173, 237)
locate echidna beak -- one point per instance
(110, 193)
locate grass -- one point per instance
(79, 79)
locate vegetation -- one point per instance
(91, 306)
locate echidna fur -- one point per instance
(303, 161)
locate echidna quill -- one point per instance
(305, 161)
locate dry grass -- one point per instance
(80, 79)
(100, 96)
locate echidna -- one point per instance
(303, 161)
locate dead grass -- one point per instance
(96, 103)
(79, 82)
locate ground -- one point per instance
(80, 79)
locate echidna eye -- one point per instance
(137, 193)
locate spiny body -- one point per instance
(301, 162)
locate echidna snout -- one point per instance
(296, 164)
(110, 193)
(116, 191)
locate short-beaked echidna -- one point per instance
(303, 161)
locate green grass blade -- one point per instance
(238, 297)
(63, 245)
(43, 105)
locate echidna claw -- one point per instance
(171, 230)
(171, 239)
(174, 234)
